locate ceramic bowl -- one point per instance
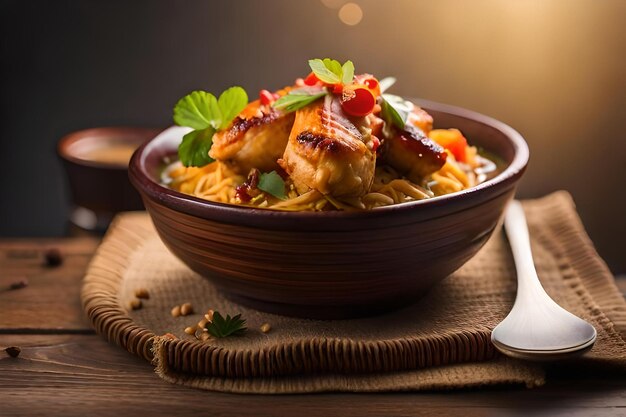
(333, 264)
(96, 162)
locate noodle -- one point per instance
(310, 198)
(218, 182)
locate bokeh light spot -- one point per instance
(351, 14)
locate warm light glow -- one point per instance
(351, 14)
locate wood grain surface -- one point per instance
(65, 369)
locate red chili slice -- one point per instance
(359, 101)
(371, 83)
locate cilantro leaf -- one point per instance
(347, 72)
(223, 327)
(197, 110)
(231, 102)
(395, 110)
(299, 98)
(194, 149)
(273, 184)
(323, 72)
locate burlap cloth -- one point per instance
(441, 342)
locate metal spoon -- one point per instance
(537, 328)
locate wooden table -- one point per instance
(66, 369)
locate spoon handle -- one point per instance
(528, 284)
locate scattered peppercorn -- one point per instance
(13, 351)
(53, 257)
(18, 284)
(186, 309)
(175, 311)
(265, 327)
(135, 304)
(209, 316)
(190, 330)
(204, 336)
(142, 293)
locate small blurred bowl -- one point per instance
(96, 163)
(333, 264)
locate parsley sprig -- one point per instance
(223, 327)
(331, 71)
(273, 184)
(301, 97)
(394, 109)
(206, 114)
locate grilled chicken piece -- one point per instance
(412, 153)
(255, 139)
(330, 152)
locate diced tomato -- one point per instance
(452, 140)
(266, 97)
(357, 100)
(375, 143)
(337, 88)
(311, 79)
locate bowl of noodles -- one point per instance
(325, 227)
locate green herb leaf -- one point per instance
(386, 83)
(323, 72)
(194, 149)
(197, 110)
(333, 66)
(347, 72)
(231, 102)
(224, 327)
(206, 115)
(273, 184)
(395, 110)
(299, 98)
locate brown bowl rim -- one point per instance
(258, 217)
(139, 135)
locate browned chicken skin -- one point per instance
(413, 154)
(322, 148)
(255, 139)
(328, 151)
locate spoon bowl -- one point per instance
(537, 328)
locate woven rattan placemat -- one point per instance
(441, 342)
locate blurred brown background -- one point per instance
(553, 69)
